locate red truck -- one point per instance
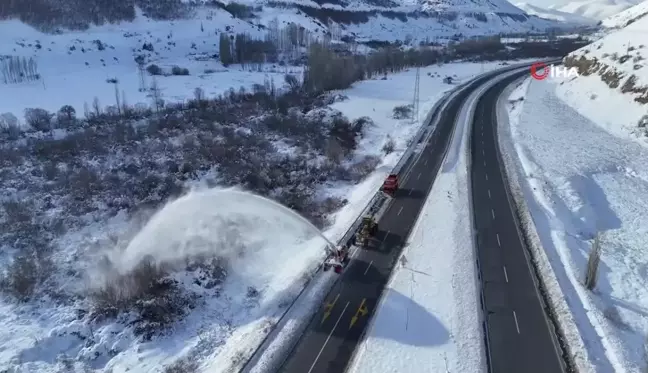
(390, 185)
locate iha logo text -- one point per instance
(542, 71)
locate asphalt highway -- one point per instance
(331, 337)
(521, 336)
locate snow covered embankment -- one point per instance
(612, 89)
(573, 180)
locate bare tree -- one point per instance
(96, 107)
(156, 96)
(593, 261)
(117, 99)
(17, 69)
(39, 119)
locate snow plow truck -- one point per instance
(338, 259)
(390, 185)
(368, 229)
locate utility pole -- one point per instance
(415, 104)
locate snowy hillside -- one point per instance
(554, 14)
(627, 16)
(597, 10)
(371, 20)
(612, 89)
(77, 66)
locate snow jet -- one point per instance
(258, 238)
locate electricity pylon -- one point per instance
(415, 104)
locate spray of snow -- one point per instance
(250, 233)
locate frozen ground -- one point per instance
(431, 310)
(43, 337)
(579, 179)
(74, 70)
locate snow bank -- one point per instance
(576, 180)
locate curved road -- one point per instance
(334, 332)
(521, 336)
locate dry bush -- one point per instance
(25, 273)
(146, 290)
(591, 274)
(402, 112)
(363, 167)
(185, 365)
(389, 146)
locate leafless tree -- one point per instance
(17, 69)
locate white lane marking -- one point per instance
(483, 151)
(400, 210)
(425, 163)
(517, 326)
(505, 273)
(486, 176)
(328, 338)
(484, 162)
(419, 176)
(410, 192)
(498, 241)
(369, 266)
(489, 195)
(493, 213)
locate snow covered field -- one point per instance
(48, 338)
(75, 66)
(580, 179)
(75, 69)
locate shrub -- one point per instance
(182, 366)
(402, 112)
(177, 70)
(389, 146)
(39, 119)
(25, 273)
(154, 69)
(146, 290)
(292, 82)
